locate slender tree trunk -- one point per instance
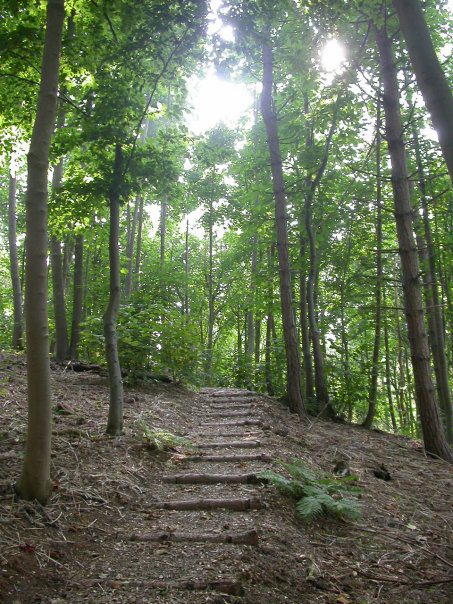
(345, 353)
(250, 322)
(35, 479)
(138, 252)
(431, 79)
(434, 439)
(130, 250)
(257, 342)
(296, 402)
(14, 264)
(267, 357)
(77, 298)
(210, 279)
(372, 392)
(56, 263)
(115, 419)
(388, 383)
(433, 305)
(163, 227)
(68, 250)
(186, 270)
(304, 331)
(322, 394)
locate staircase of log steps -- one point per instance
(209, 517)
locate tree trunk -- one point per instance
(115, 419)
(17, 341)
(295, 399)
(138, 251)
(304, 332)
(250, 322)
(431, 79)
(322, 393)
(61, 333)
(372, 392)
(433, 305)
(267, 357)
(186, 271)
(163, 227)
(68, 250)
(388, 378)
(130, 250)
(77, 299)
(210, 278)
(434, 439)
(35, 479)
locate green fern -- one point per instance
(316, 496)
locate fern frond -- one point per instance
(309, 508)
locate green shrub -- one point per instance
(316, 496)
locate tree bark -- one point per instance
(115, 418)
(61, 333)
(163, 228)
(138, 251)
(17, 340)
(210, 278)
(434, 439)
(372, 391)
(433, 305)
(77, 298)
(388, 378)
(431, 79)
(35, 479)
(295, 397)
(130, 250)
(304, 331)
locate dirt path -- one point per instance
(127, 524)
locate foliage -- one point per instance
(316, 496)
(157, 439)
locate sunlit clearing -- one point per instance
(333, 56)
(216, 100)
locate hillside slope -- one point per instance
(107, 535)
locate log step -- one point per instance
(213, 479)
(238, 422)
(232, 406)
(241, 538)
(239, 444)
(236, 505)
(225, 434)
(223, 414)
(231, 458)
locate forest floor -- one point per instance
(106, 537)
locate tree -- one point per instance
(35, 481)
(17, 341)
(431, 79)
(295, 399)
(434, 439)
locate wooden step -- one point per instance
(221, 414)
(237, 505)
(238, 422)
(230, 458)
(249, 537)
(213, 479)
(239, 444)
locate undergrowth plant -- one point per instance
(316, 496)
(160, 440)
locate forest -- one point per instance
(300, 250)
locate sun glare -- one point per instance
(216, 100)
(333, 56)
